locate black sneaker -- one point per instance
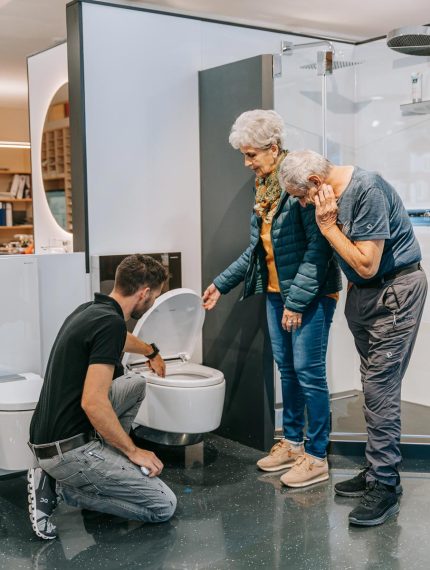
(356, 486)
(42, 502)
(378, 503)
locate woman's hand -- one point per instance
(291, 321)
(325, 208)
(210, 297)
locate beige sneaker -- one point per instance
(281, 456)
(307, 470)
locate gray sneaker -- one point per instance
(42, 502)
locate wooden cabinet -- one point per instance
(56, 169)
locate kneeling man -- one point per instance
(79, 433)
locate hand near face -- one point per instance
(325, 208)
(210, 297)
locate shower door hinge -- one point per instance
(277, 65)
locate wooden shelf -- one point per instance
(53, 176)
(15, 172)
(26, 227)
(16, 200)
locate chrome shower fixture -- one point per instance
(336, 64)
(324, 63)
(410, 40)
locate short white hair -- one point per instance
(258, 128)
(298, 166)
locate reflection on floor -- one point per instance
(230, 516)
(347, 416)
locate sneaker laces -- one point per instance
(303, 459)
(373, 493)
(280, 445)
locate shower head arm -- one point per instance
(288, 47)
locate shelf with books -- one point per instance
(56, 171)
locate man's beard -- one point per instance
(138, 313)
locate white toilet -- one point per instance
(188, 402)
(19, 394)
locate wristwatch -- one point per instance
(155, 351)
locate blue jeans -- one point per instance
(301, 359)
(98, 477)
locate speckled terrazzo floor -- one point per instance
(229, 516)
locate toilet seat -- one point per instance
(19, 392)
(186, 375)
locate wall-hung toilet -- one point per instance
(19, 394)
(188, 402)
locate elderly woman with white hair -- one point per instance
(290, 262)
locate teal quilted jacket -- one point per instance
(303, 257)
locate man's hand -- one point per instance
(146, 459)
(157, 365)
(210, 297)
(325, 208)
(291, 321)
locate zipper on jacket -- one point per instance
(273, 246)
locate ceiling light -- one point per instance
(14, 144)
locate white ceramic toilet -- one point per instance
(188, 402)
(19, 394)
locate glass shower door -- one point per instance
(319, 112)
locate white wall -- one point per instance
(63, 285)
(19, 314)
(37, 292)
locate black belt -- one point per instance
(380, 281)
(51, 450)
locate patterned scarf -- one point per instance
(268, 192)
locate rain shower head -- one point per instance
(336, 64)
(411, 40)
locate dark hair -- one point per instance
(136, 271)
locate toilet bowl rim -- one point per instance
(212, 376)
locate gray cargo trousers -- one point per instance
(385, 322)
(98, 477)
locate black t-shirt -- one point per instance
(94, 333)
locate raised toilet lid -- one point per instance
(174, 323)
(19, 392)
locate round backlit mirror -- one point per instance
(56, 172)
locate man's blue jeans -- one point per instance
(98, 477)
(301, 359)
